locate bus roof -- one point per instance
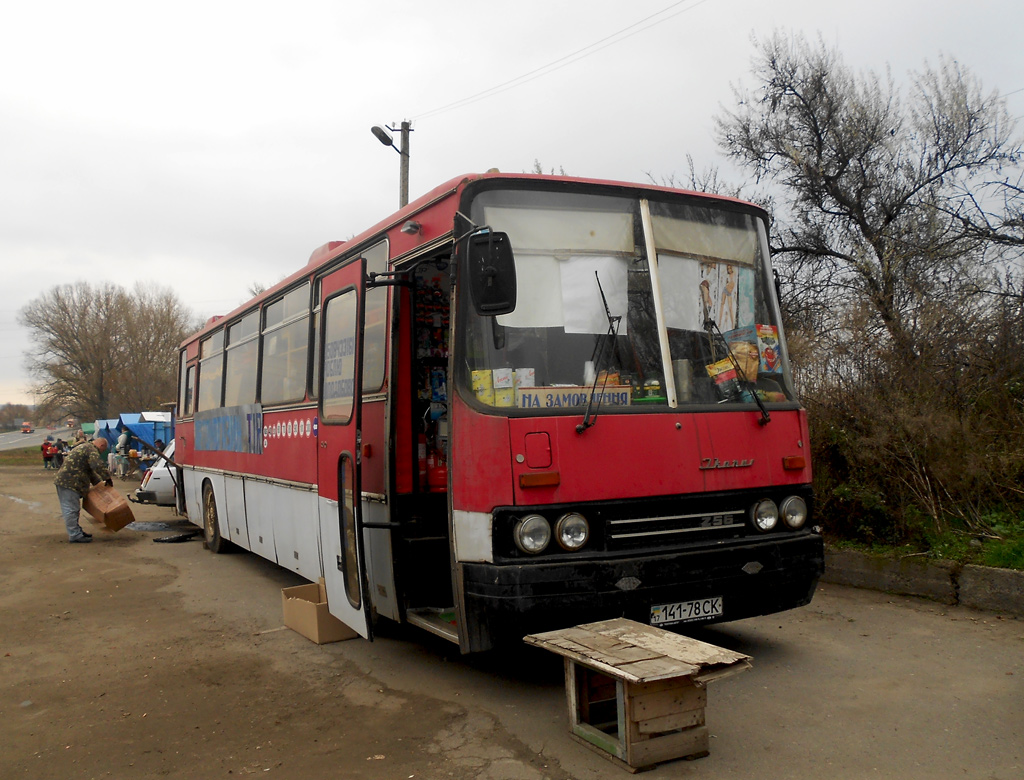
(332, 249)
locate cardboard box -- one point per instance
(108, 507)
(305, 611)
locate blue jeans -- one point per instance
(70, 508)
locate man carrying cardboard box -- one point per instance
(84, 467)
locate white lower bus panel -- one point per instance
(285, 517)
(233, 513)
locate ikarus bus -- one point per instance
(520, 403)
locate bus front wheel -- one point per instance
(211, 528)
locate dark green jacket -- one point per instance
(83, 467)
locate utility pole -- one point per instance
(381, 134)
(403, 187)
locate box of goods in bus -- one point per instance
(108, 507)
(305, 611)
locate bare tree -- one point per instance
(98, 351)
(707, 180)
(897, 216)
(158, 323)
(878, 190)
(13, 415)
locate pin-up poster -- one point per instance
(695, 291)
(727, 291)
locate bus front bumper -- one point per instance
(751, 577)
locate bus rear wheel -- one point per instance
(211, 528)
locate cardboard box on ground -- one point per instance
(305, 611)
(108, 507)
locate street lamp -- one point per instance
(382, 134)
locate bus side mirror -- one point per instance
(492, 273)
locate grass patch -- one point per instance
(1004, 554)
(25, 456)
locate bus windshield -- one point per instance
(644, 304)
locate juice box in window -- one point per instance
(504, 396)
(482, 380)
(526, 377)
(502, 377)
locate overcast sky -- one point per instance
(210, 145)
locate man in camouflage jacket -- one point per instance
(83, 467)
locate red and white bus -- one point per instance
(522, 402)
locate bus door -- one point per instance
(339, 442)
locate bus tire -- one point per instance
(211, 527)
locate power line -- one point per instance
(568, 59)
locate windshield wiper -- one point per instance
(597, 358)
(712, 328)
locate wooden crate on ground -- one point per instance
(637, 693)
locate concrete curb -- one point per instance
(979, 587)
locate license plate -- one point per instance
(685, 611)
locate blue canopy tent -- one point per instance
(106, 429)
(147, 427)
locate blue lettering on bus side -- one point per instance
(232, 429)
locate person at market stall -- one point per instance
(122, 448)
(151, 453)
(84, 467)
(60, 449)
(47, 450)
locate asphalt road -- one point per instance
(125, 658)
(13, 440)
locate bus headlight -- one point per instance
(572, 531)
(764, 515)
(794, 512)
(532, 534)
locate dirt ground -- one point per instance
(127, 658)
(130, 659)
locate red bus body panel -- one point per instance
(480, 461)
(670, 454)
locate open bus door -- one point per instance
(339, 440)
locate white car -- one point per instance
(158, 484)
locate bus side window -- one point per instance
(242, 361)
(349, 563)
(339, 365)
(211, 371)
(375, 332)
(285, 348)
(187, 386)
(190, 390)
